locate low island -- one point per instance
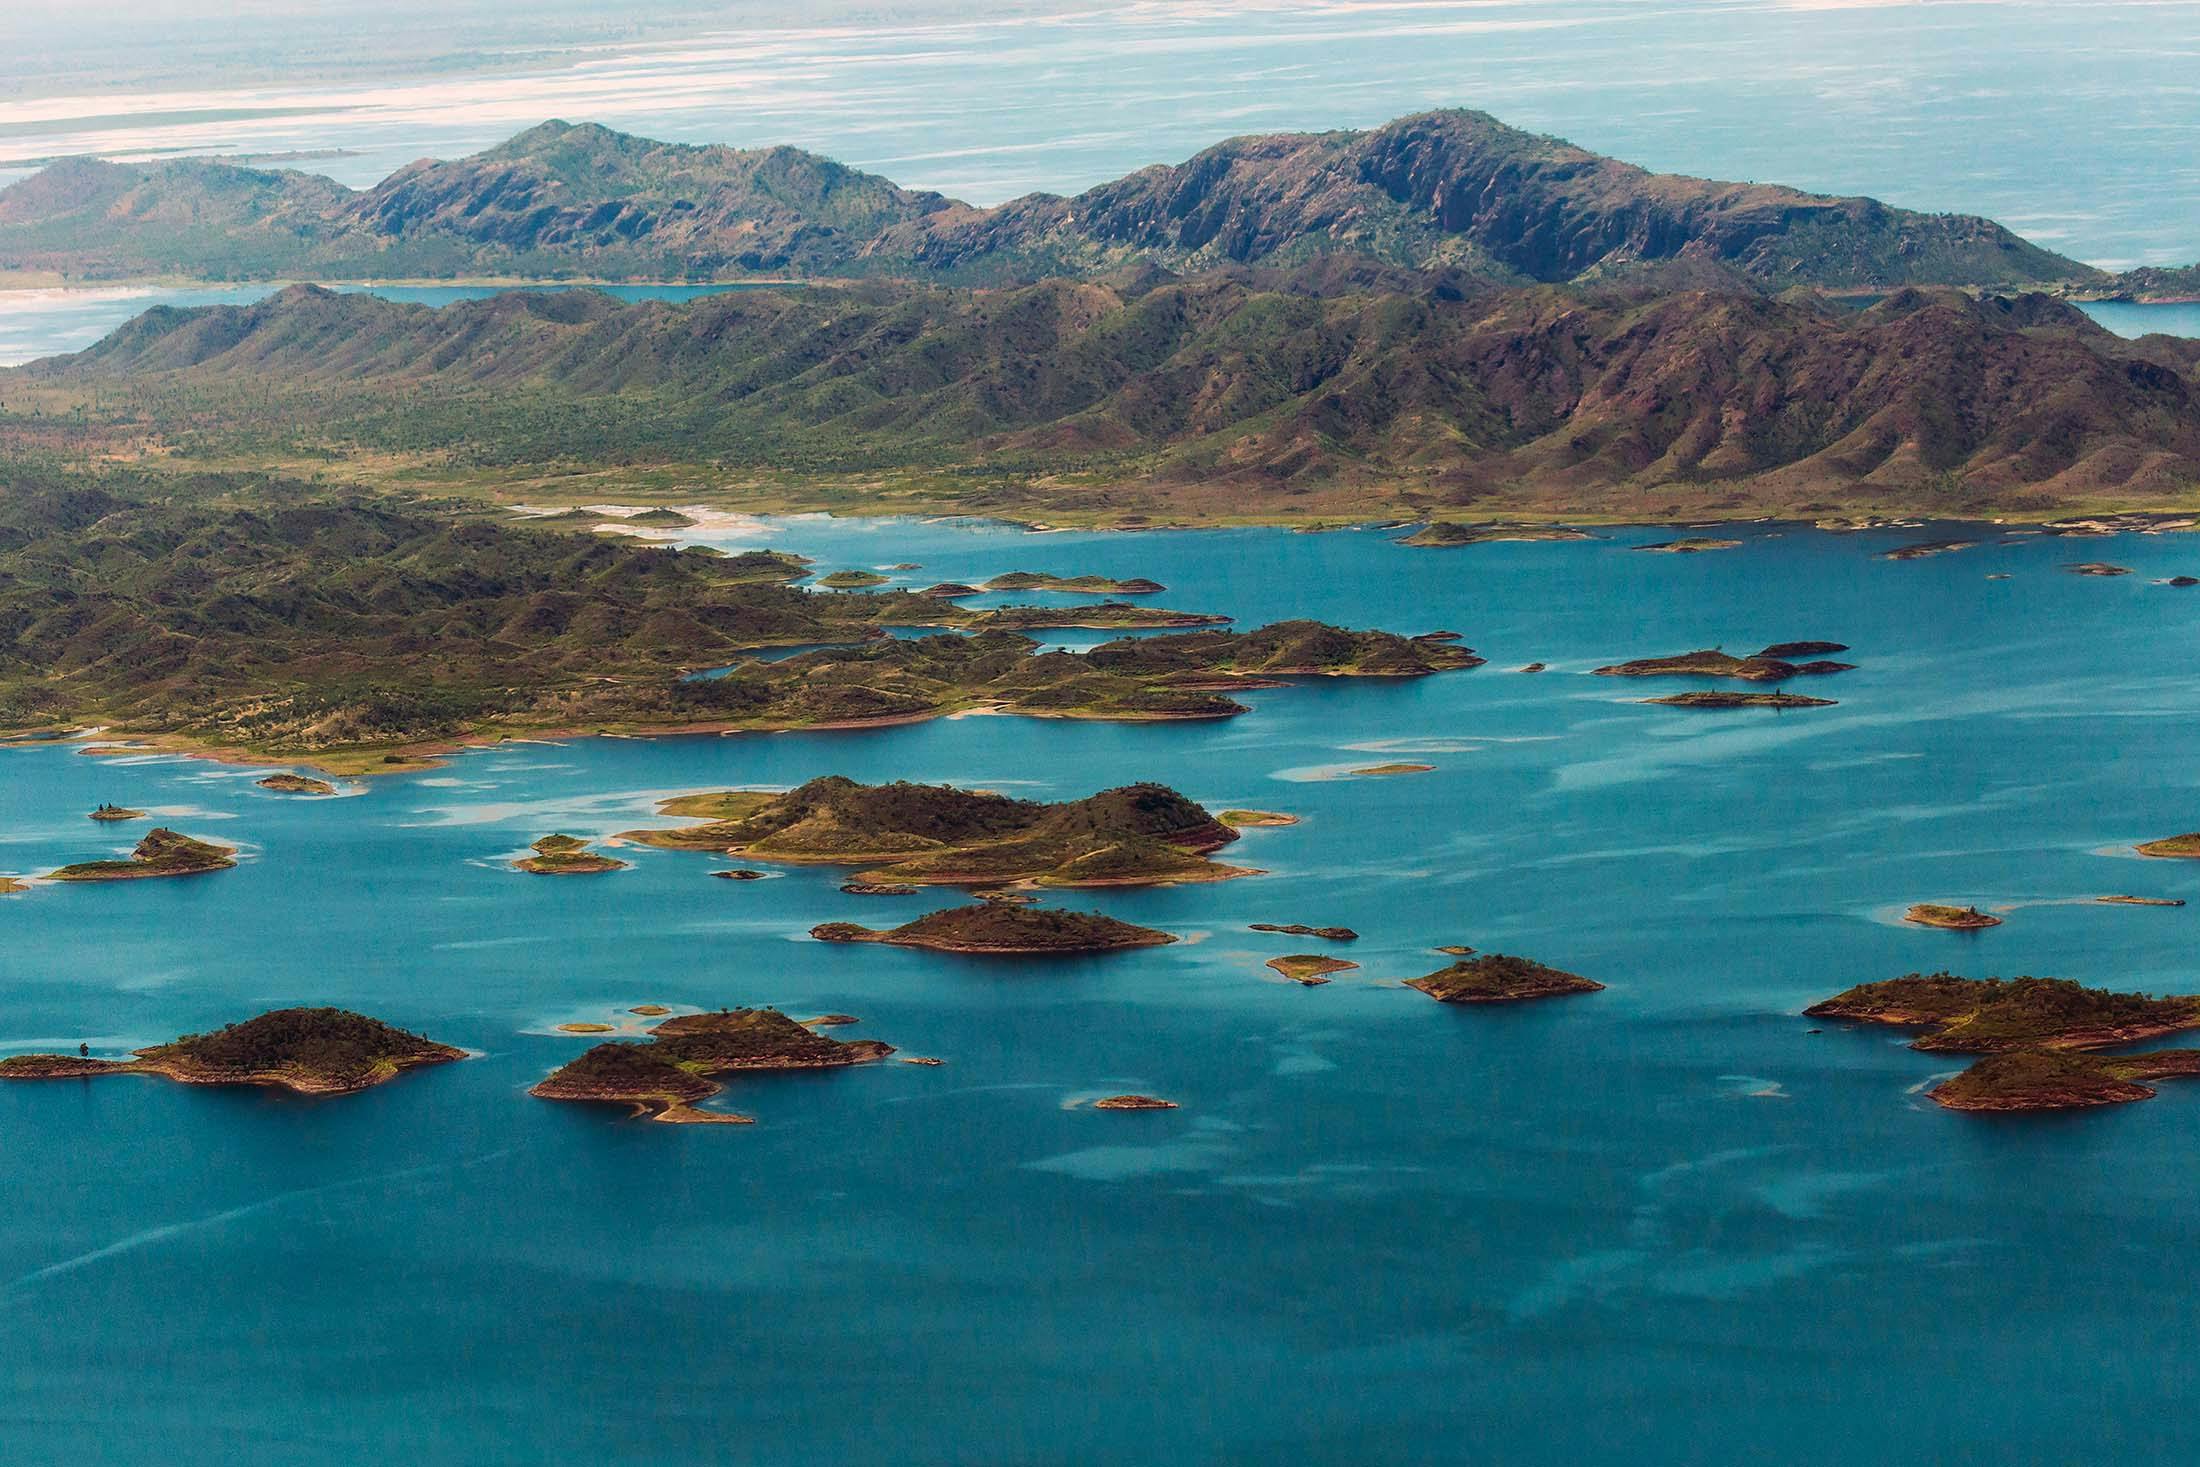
(851, 580)
(1256, 819)
(2179, 847)
(566, 855)
(937, 835)
(1739, 700)
(1500, 978)
(106, 812)
(1442, 534)
(1133, 1102)
(163, 852)
(1074, 585)
(1381, 770)
(1761, 667)
(1300, 929)
(992, 929)
(296, 784)
(2037, 1080)
(1955, 919)
(310, 1051)
(1994, 1015)
(664, 1076)
(1691, 545)
(1311, 969)
(2097, 568)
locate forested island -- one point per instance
(310, 1051)
(994, 930)
(664, 1076)
(938, 835)
(1500, 978)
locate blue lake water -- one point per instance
(1666, 1223)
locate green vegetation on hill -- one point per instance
(1710, 662)
(2033, 1080)
(915, 834)
(276, 619)
(671, 1071)
(1334, 390)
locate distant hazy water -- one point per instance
(40, 323)
(1665, 1223)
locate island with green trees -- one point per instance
(851, 580)
(1443, 534)
(163, 852)
(2037, 1080)
(566, 855)
(664, 1076)
(311, 1051)
(1133, 1102)
(1300, 929)
(938, 835)
(1256, 819)
(992, 929)
(1500, 978)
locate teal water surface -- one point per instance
(1667, 1223)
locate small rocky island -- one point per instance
(2180, 847)
(1133, 1102)
(938, 835)
(1994, 1015)
(566, 855)
(1739, 700)
(1500, 978)
(296, 784)
(2097, 568)
(316, 1051)
(1311, 969)
(664, 1076)
(1955, 919)
(163, 852)
(1075, 585)
(1382, 770)
(106, 812)
(1761, 667)
(990, 928)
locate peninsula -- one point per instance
(990, 928)
(162, 852)
(311, 1051)
(938, 835)
(1499, 978)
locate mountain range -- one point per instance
(1453, 190)
(1339, 384)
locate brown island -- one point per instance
(1441, 534)
(1740, 700)
(938, 835)
(317, 1051)
(2028, 1030)
(2097, 568)
(162, 853)
(1300, 929)
(1769, 666)
(1133, 1102)
(1500, 978)
(1955, 919)
(116, 812)
(296, 784)
(851, 580)
(2184, 847)
(1311, 969)
(1256, 819)
(1075, 585)
(991, 929)
(664, 1076)
(1691, 545)
(566, 855)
